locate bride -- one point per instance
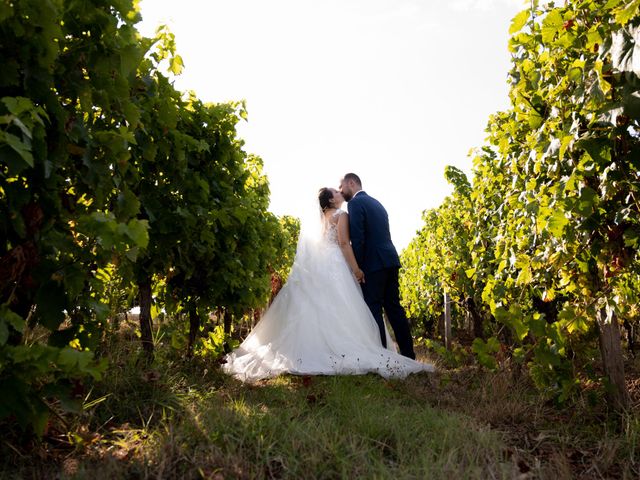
(319, 324)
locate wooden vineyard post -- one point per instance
(447, 321)
(612, 359)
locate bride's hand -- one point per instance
(359, 274)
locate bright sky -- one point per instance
(393, 90)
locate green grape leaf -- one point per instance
(551, 25)
(625, 49)
(176, 65)
(138, 231)
(627, 12)
(12, 318)
(519, 21)
(578, 324)
(556, 223)
(128, 204)
(18, 146)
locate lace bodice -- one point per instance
(331, 226)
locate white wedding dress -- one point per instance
(318, 324)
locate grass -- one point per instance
(337, 427)
(185, 419)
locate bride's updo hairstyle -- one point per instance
(324, 197)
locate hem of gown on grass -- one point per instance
(389, 365)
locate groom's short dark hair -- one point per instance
(354, 177)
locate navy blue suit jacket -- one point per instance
(370, 237)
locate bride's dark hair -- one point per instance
(324, 197)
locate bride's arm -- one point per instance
(344, 241)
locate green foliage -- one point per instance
(486, 351)
(287, 249)
(214, 344)
(110, 176)
(438, 259)
(33, 373)
(453, 357)
(553, 213)
(64, 119)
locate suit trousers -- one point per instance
(381, 291)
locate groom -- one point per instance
(377, 257)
